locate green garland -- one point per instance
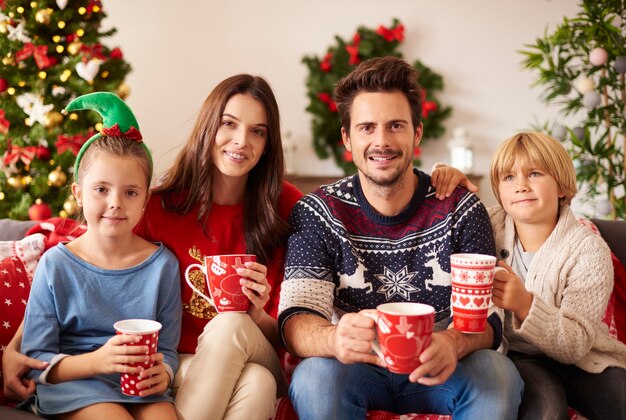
(341, 59)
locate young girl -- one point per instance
(556, 290)
(82, 288)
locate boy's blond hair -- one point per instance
(538, 149)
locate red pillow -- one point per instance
(619, 294)
(18, 260)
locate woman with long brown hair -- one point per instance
(225, 194)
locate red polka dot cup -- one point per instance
(222, 281)
(472, 280)
(403, 331)
(149, 332)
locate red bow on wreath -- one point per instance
(40, 53)
(4, 123)
(325, 65)
(71, 143)
(395, 33)
(328, 100)
(353, 50)
(428, 107)
(15, 153)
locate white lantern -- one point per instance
(289, 152)
(461, 151)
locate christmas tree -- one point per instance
(582, 67)
(51, 52)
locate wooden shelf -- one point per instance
(307, 183)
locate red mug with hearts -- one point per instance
(149, 332)
(403, 331)
(472, 280)
(222, 281)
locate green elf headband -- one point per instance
(117, 120)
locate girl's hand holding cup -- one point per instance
(117, 354)
(154, 380)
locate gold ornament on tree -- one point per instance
(16, 182)
(57, 178)
(43, 16)
(74, 47)
(70, 205)
(123, 90)
(8, 61)
(53, 119)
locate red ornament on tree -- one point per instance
(39, 211)
(42, 153)
(3, 84)
(116, 54)
(4, 123)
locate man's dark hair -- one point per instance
(380, 74)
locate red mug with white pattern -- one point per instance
(472, 281)
(223, 282)
(403, 332)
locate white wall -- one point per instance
(180, 50)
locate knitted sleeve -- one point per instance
(472, 229)
(563, 322)
(308, 286)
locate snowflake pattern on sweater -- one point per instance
(342, 256)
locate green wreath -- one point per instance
(339, 60)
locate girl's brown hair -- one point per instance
(188, 183)
(117, 146)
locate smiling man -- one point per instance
(382, 236)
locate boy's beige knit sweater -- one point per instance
(571, 279)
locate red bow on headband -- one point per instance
(132, 133)
(15, 153)
(40, 53)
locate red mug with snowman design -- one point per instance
(472, 280)
(403, 331)
(149, 332)
(223, 282)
